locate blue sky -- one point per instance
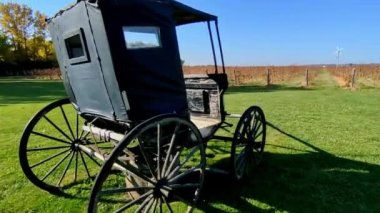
(277, 32)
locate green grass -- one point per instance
(322, 153)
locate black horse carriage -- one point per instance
(131, 111)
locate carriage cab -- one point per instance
(121, 62)
(131, 111)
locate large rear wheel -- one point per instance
(50, 153)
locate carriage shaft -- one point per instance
(101, 157)
(103, 133)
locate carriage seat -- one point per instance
(203, 98)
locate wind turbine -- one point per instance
(338, 53)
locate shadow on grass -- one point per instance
(315, 181)
(29, 91)
(263, 88)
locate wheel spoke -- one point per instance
(146, 159)
(155, 204)
(259, 134)
(57, 128)
(144, 203)
(84, 164)
(86, 135)
(158, 151)
(81, 134)
(67, 122)
(240, 135)
(240, 161)
(123, 190)
(258, 127)
(50, 137)
(251, 132)
(160, 204)
(55, 167)
(194, 149)
(49, 158)
(167, 204)
(64, 172)
(170, 149)
(77, 125)
(46, 148)
(184, 174)
(184, 186)
(240, 145)
(149, 205)
(188, 156)
(76, 166)
(174, 160)
(96, 162)
(135, 201)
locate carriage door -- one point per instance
(152, 70)
(82, 66)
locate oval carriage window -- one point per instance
(137, 37)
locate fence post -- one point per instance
(268, 76)
(307, 77)
(353, 77)
(235, 79)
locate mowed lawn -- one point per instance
(322, 153)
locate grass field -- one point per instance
(322, 153)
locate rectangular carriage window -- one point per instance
(138, 37)
(76, 47)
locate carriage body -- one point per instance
(133, 110)
(120, 61)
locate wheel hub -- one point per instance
(75, 144)
(159, 188)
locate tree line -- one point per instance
(24, 40)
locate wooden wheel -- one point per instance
(49, 150)
(248, 142)
(162, 166)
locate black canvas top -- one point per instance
(183, 14)
(111, 78)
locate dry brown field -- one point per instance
(364, 75)
(368, 75)
(262, 75)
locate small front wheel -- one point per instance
(158, 166)
(248, 142)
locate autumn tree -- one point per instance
(5, 48)
(24, 40)
(39, 45)
(16, 21)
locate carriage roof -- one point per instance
(183, 14)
